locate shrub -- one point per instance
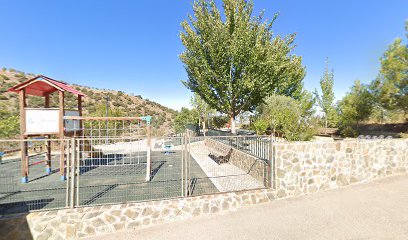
(348, 131)
(220, 121)
(4, 77)
(260, 126)
(286, 116)
(19, 75)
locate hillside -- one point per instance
(121, 104)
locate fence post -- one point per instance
(271, 171)
(68, 162)
(72, 172)
(188, 164)
(185, 164)
(77, 167)
(148, 163)
(182, 166)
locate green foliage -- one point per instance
(120, 93)
(348, 131)
(260, 125)
(184, 118)
(100, 111)
(306, 103)
(9, 127)
(326, 99)
(288, 117)
(233, 63)
(4, 77)
(356, 106)
(220, 121)
(20, 75)
(202, 109)
(35, 102)
(158, 121)
(390, 88)
(9, 123)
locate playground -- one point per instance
(63, 159)
(113, 178)
(117, 174)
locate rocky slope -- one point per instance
(121, 104)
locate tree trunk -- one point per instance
(204, 127)
(199, 124)
(358, 127)
(233, 129)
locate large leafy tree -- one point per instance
(391, 86)
(233, 60)
(356, 105)
(325, 100)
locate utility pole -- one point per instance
(107, 105)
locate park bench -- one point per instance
(329, 132)
(220, 154)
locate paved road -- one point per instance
(377, 210)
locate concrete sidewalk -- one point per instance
(225, 177)
(377, 210)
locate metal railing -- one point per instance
(129, 169)
(258, 146)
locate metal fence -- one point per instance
(117, 170)
(44, 190)
(130, 169)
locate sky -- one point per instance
(133, 45)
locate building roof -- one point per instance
(42, 85)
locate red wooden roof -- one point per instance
(42, 85)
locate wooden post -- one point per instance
(61, 134)
(23, 144)
(148, 162)
(48, 155)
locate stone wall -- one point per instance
(307, 167)
(88, 221)
(254, 166)
(300, 168)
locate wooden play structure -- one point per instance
(58, 122)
